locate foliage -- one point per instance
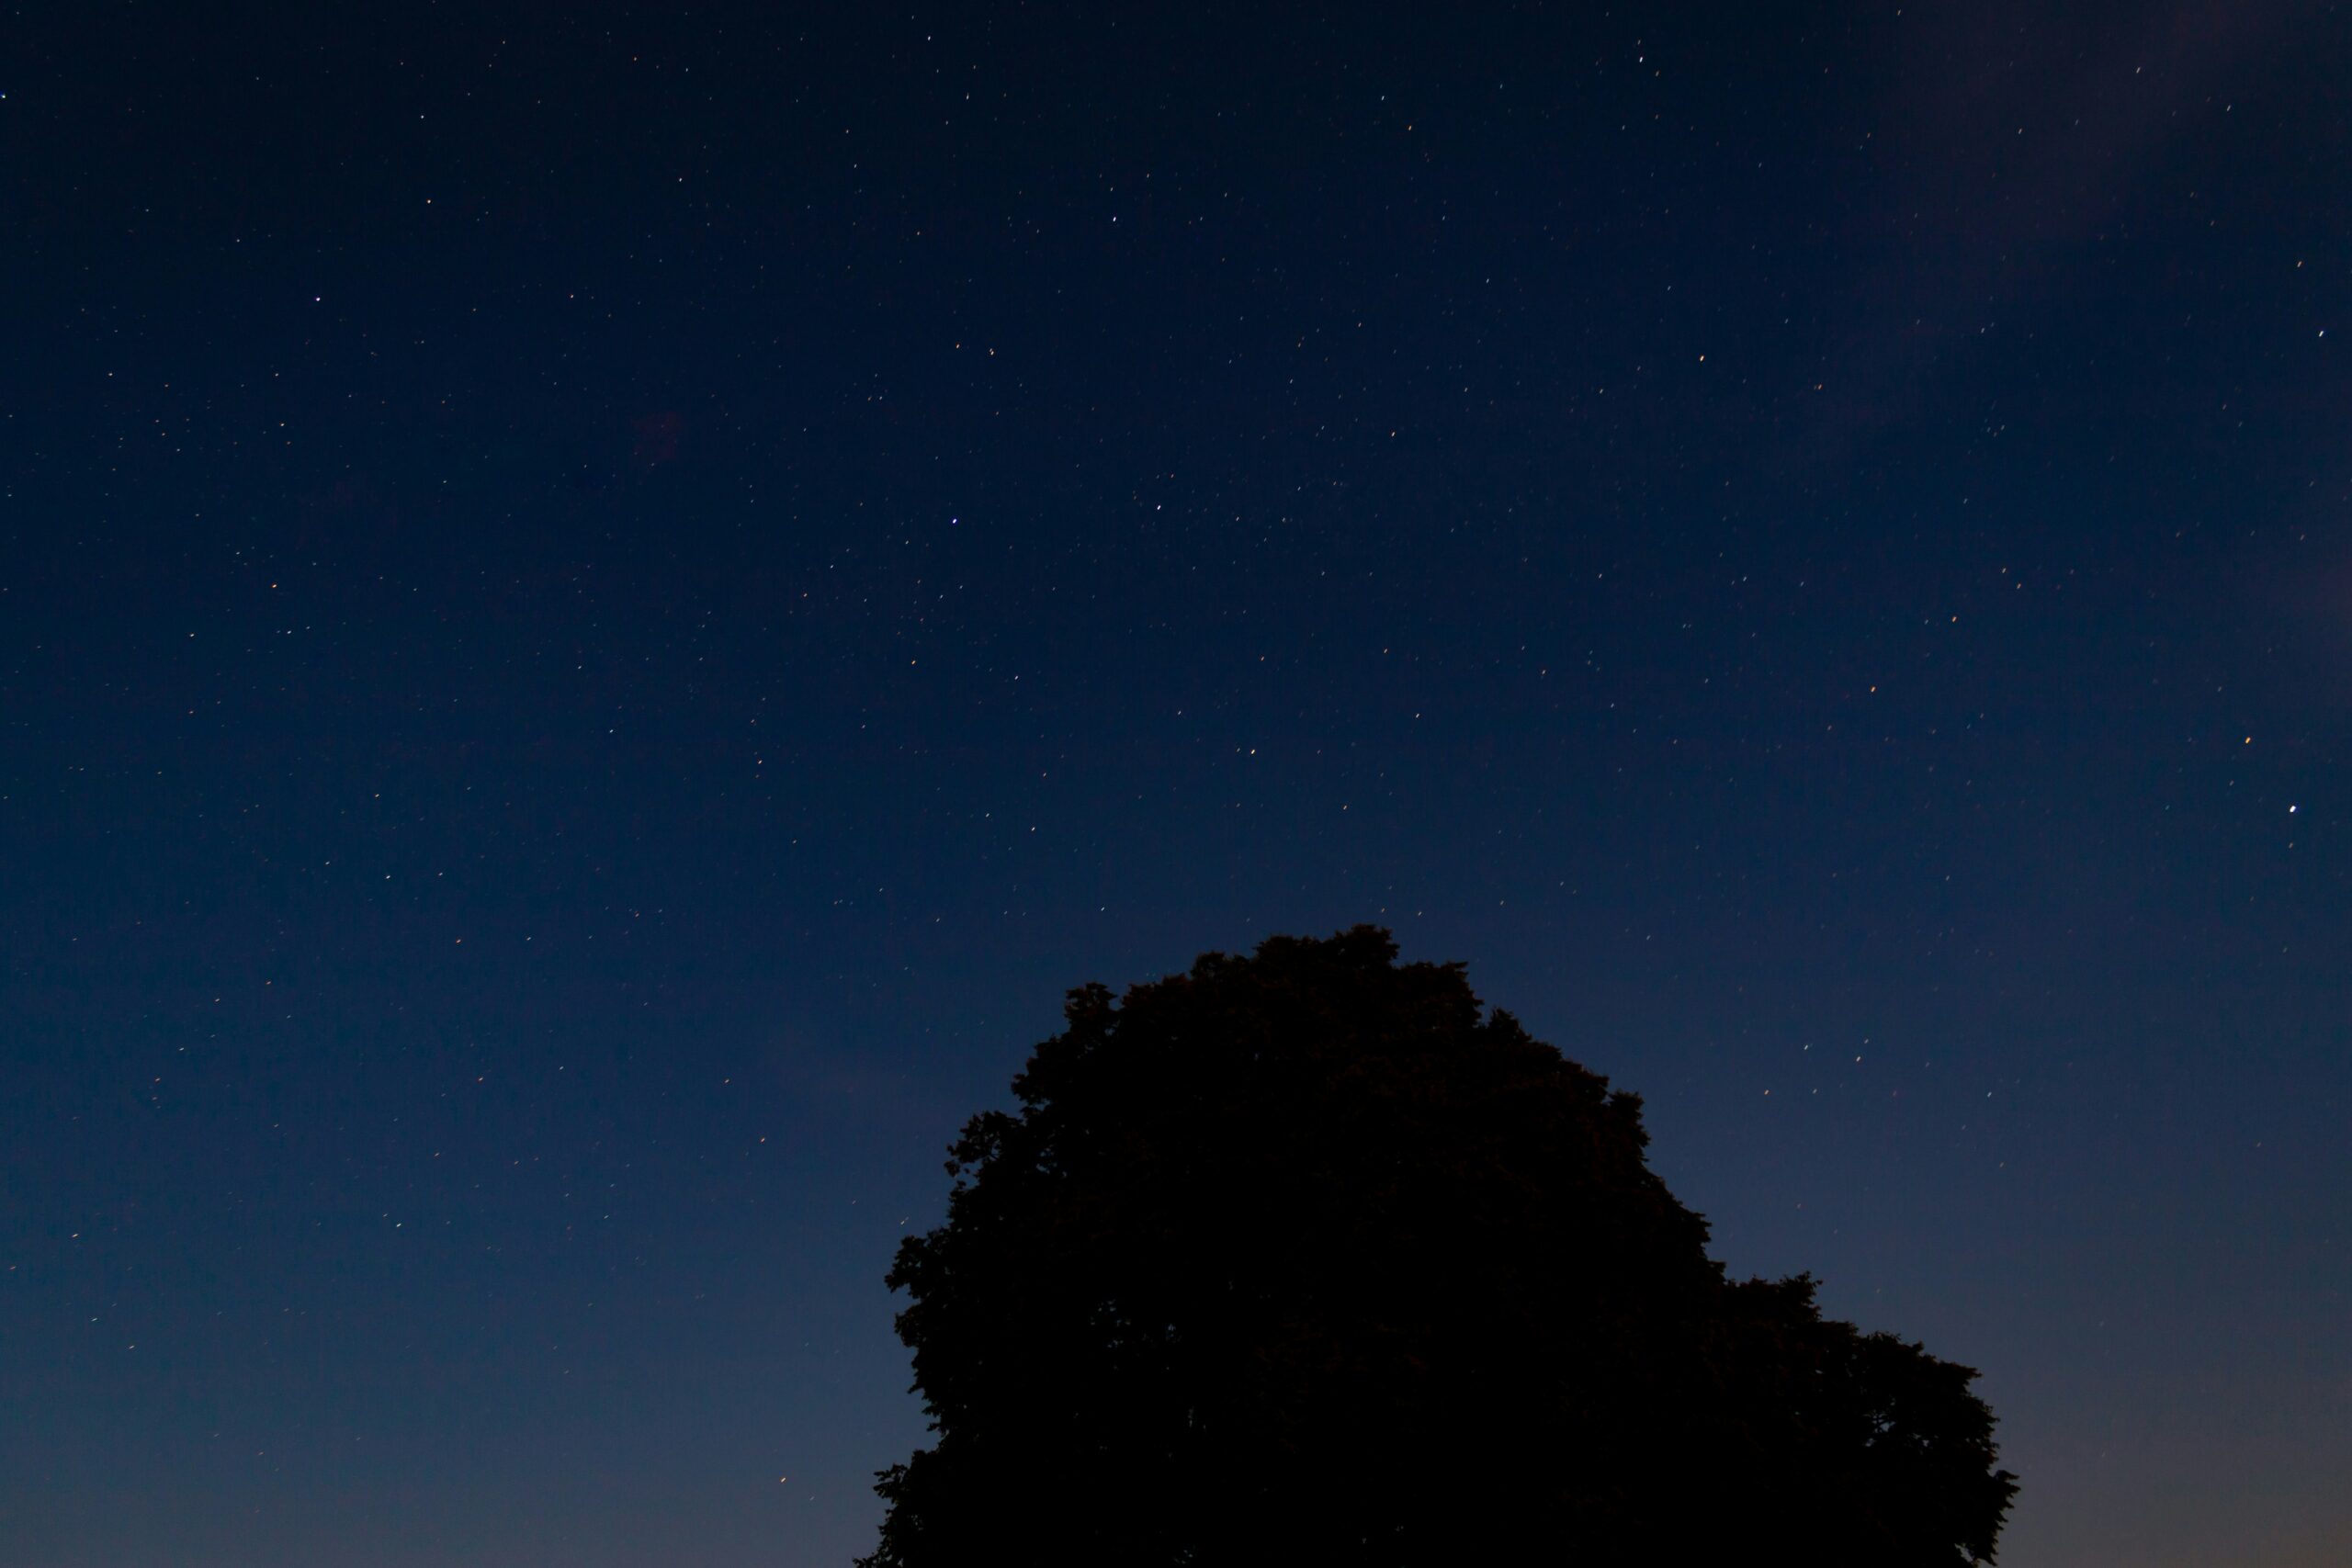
(1299, 1257)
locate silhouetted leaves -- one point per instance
(1299, 1257)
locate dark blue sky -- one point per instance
(599, 608)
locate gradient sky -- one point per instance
(600, 607)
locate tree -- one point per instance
(1300, 1256)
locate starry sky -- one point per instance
(601, 606)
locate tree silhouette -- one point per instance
(1298, 1258)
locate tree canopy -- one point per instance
(1303, 1255)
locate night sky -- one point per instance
(600, 609)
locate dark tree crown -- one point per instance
(1301, 1256)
